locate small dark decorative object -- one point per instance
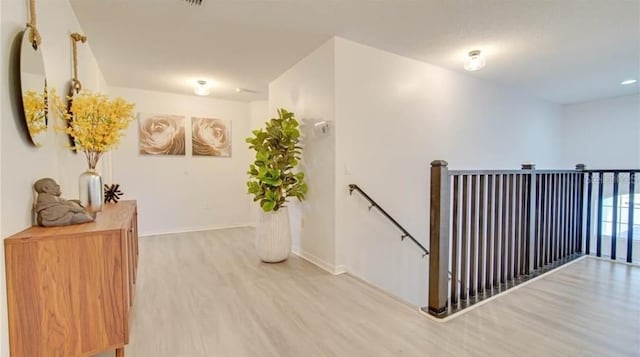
(194, 2)
(112, 193)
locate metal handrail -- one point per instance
(622, 171)
(506, 172)
(405, 234)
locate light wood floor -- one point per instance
(207, 294)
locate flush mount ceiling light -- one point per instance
(626, 82)
(202, 88)
(474, 61)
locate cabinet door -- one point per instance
(65, 295)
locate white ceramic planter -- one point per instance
(273, 236)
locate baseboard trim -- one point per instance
(329, 268)
(382, 290)
(608, 259)
(195, 229)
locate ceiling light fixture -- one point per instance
(474, 61)
(202, 88)
(626, 82)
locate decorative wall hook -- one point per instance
(35, 37)
(76, 86)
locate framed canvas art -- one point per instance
(161, 134)
(211, 137)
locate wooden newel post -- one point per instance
(530, 217)
(439, 238)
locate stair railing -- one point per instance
(493, 229)
(373, 204)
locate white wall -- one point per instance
(185, 193)
(259, 113)
(390, 117)
(603, 133)
(307, 89)
(394, 116)
(22, 163)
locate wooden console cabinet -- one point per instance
(70, 289)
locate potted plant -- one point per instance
(273, 178)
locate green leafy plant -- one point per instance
(272, 176)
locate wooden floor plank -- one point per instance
(207, 294)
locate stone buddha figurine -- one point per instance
(52, 210)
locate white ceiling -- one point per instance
(564, 51)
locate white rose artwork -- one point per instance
(161, 134)
(211, 137)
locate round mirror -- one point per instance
(33, 88)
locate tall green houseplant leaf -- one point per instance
(272, 176)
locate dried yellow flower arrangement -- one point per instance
(95, 122)
(35, 108)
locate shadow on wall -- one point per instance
(317, 220)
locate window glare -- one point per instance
(623, 216)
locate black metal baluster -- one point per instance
(510, 216)
(587, 238)
(558, 246)
(544, 230)
(578, 215)
(581, 178)
(599, 222)
(490, 235)
(553, 214)
(455, 239)
(503, 243)
(516, 231)
(465, 230)
(556, 241)
(573, 186)
(632, 191)
(614, 223)
(565, 225)
(481, 236)
(568, 229)
(525, 223)
(562, 217)
(551, 218)
(497, 232)
(525, 239)
(541, 229)
(474, 236)
(558, 235)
